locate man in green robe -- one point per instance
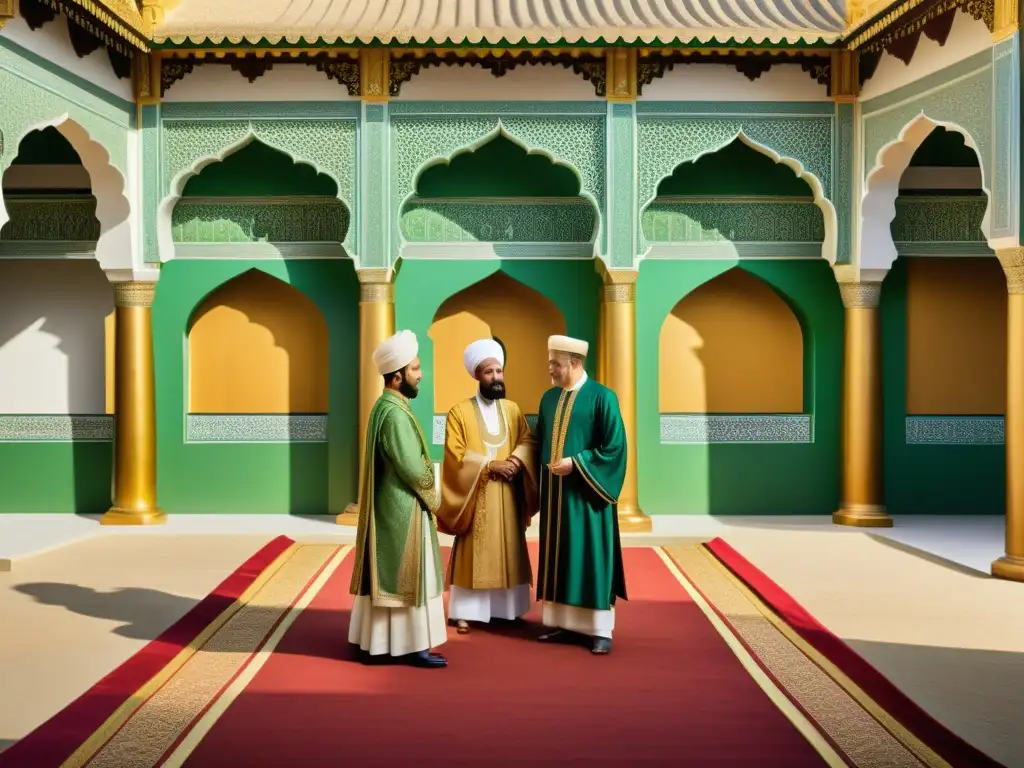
(582, 467)
(396, 578)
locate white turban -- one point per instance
(396, 353)
(481, 351)
(569, 345)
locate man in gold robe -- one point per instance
(488, 495)
(399, 605)
(583, 465)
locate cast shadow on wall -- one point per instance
(52, 337)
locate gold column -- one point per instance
(602, 347)
(862, 500)
(376, 325)
(1011, 565)
(134, 491)
(618, 301)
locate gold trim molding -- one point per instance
(8, 10)
(376, 286)
(620, 74)
(375, 74)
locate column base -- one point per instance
(349, 517)
(1009, 567)
(116, 516)
(632, 520)
(863, 516)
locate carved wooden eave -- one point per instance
(588, 63)
(341, 65)
(752, 63)
(87, 32)
(898, 28)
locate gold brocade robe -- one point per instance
(488, 516)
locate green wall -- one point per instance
(928, 479)
(257, 170)
(422, 286)
(499, 168)
(55, 477)
(730, 479)
(735, 169)
(300, 478)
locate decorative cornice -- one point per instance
(343, 66)
(910, 19)
(655, 63)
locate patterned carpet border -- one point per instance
(54, 742)
(867, 719)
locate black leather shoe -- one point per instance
(558, 636)
(601, 645)
(427, 659)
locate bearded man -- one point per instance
(399, 606)
(583, 465)
(488, 495)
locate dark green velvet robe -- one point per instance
(580, 552)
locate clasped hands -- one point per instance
(504, 470)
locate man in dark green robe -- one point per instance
(396, 578)
(582, 467)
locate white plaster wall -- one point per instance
(536, 82)
(52, 350)
(285, 82)
(966, 38)
(52, 43)
(722, 82)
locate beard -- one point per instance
(408, 390)
(493, 391)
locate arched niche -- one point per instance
(736, 202)
(884, 181)
(256, 345)
(955, 290)
(731, 346)
(498, 306)
(257, 197)
(93, 210)
(491, 198)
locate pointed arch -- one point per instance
(497, 305)
(116, 244)
(882, 183)
(257, 345)
(817, 187)
(732, 345)
(176, 185)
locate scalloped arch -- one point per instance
(878, 205)
(113, 208)
(329, 147)
(648, 190)
(578, 145)
(246, 274)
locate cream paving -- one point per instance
(949, 637)
(72, 615)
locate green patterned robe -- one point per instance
(580, 551)
(389, 556)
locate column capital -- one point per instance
(619, 284)
(134, 293)
(1012, 262)
(845, 76)
(8, 10)
(861, 295)
(1005, 19)
(376, 285)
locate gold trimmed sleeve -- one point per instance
(595, 486)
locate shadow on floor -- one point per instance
(928, 557)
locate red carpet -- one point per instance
(671, 693)
(55, 740)
(957, 752)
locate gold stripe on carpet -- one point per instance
(924, 753)
(162, 719)
(858, 735)
(120, 716)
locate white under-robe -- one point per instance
(482, 605)
(585, 621)
(400, 631)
